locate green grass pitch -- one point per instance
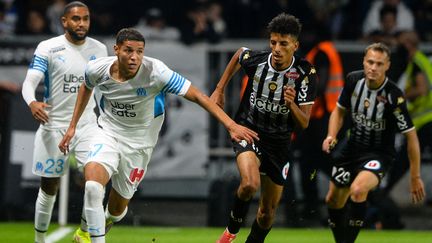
(23, 232)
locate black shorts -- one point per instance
(349, 165)
(273, 154)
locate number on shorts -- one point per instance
(341, 176)
(96, 148)
(54, 166)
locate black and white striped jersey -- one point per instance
(376, 114)
(263, 106)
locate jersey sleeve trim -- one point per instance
(307, 103)
(175, 84)
(340, 106)
(39, 63)
(407, 130)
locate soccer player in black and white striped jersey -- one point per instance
(378, 111)
(279, 96)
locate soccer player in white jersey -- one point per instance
(133, 88)
(60, 62)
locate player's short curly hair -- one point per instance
(73, 4)
(285, 24)
(129, 34)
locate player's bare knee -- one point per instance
(265, 217)
(50, 185)
(248, 189)
(358, 193)
(333, 202)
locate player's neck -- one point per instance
(375, 84)
(120, 75)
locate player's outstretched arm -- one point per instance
(335, 124)
(84, 95)
(416, 183)
(236, 131)
(218, 95)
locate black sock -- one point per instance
(337, 223)
(237, 214)
(257, 234)
(356, 218)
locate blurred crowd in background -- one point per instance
(192, 21)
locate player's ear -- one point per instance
(116, 49)
(63, 20)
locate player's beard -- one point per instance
(76, 36)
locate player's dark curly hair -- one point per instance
(129, 34)
(285, 24)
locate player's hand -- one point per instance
(289, 95)
(218, 97)
(328, 144)
(38, 111)
(238, 133)
(64, 143)
(417, 189)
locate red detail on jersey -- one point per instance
(136, 175)
(292, 75)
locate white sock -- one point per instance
(43, 211)
(115, 219)
(94, 212)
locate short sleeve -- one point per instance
(345, 95)
(172, 82)
(400, 111)
(90, 75)
(308, 88)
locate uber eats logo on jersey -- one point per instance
(71, 83)
(265, 104)
(121, 109)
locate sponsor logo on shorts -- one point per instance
(39, 166)
(285, 170)
(243, 143)
(136, 175)
(373, 165)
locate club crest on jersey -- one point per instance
(272, 86)
(400, 100)
(373, 165)
(285, 170)
(366, 103)
(92, 57)
(141, 92)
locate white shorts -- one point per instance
(125, 165)
(49, 161)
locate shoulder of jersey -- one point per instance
(305, 65)
(96, 42)
(355, 75)
(52, 42)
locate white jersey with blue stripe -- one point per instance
(63, 65)
(134, 109)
